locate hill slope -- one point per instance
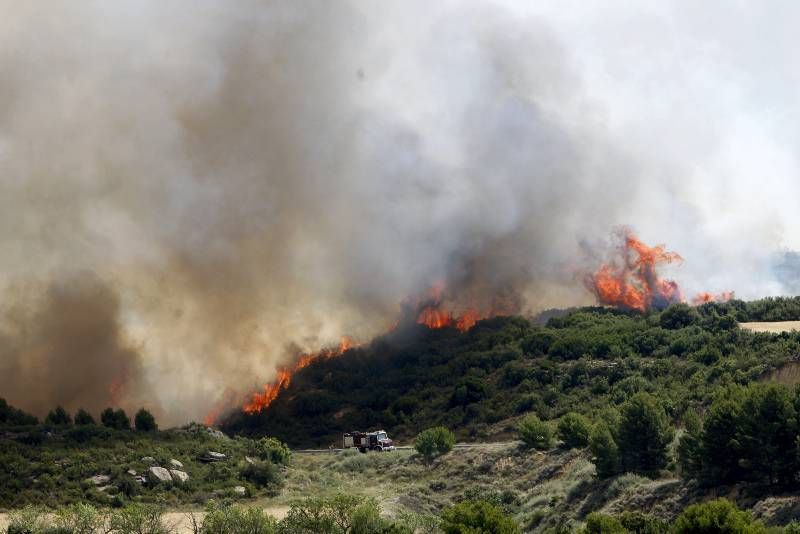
(478, 382)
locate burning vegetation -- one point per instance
(631, 281)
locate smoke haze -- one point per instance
(191, 191)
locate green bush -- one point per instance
(716, 517)
(79, 519)
(642, 523)
(237, 520)
(82, 417)
(116, 419)
(59, 416)
(535, 433)
(272, 450)
(604, 451)
(644, 435)
(434, 442)
(597, 523)
(574, 430)
(144, 421)
(264, 475)
(475, 517)
(27, 520)
(138, 519)
(341, 514)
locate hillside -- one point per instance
(479, 382)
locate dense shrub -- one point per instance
(264, 475)
(237, 520)
(477, 516)
(574, 430)
(716, 517)
(14, 416)
(138, 519)
(79, 518)
(82, 417)
(605, 453)
(644, 435)
(144, 421)
(341, 514)
(597, 523)
(116, 419)
(58, 416)
(535, 433)
(434, 442)
(272, 450)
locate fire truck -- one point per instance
(368, 441)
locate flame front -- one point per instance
(632, 282)
(261, 400)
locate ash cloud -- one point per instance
(246, 179)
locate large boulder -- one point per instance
(240, 490)
(179, 476)
(175, 463)
(160, 474)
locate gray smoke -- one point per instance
(242, 178)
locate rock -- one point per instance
(99, 480)
(132, 472)
(149, 460)
(179, 476)
(240, 490)
(140, 479)
(104, 488)
(212, 456)
(175, 463)
(161, 474)
(250, 461)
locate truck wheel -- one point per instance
(378, 449)
(362, 449)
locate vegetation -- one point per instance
(477, 516)
(720, 516)
(535, 433)
(574, 430)
(144, 421)
(116, 419)
(434, 442)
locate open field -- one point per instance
(772, 327)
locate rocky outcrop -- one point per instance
(179, 476)
(175, 464)
(160, 474)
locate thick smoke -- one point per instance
(246, 178)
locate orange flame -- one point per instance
(631, 282)
(705, 297)
(261, 400)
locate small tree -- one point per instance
(604, 451)
(144, 421)
(434, 442)
(690, 446)
(574, 429)
(477, 516)
(59, 416)
(272, 450)
(535, 433)
(720, 516)
(116, 419)
(644, 435)
(83, 418)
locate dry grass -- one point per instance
(772, 328)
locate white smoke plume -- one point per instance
(209, 185)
